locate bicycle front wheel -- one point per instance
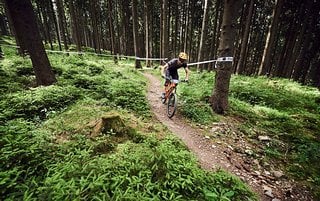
(172, 105)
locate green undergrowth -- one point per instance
(53, 147)
(36, 167)
(195, 98)
(284, 110)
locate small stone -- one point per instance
(238, 150)
(277, 174)
(268, 191)
(207, 137)
(238, 166)
(262, 181)
(266, 165)
(267, 172)
(256, 162)
(266, 188)
(257, 172)
(249, 152)
(264, 138)
(213, 146)
(218, 142)
(275, 199)
(230, 147)
(246, 167)
(214, 129)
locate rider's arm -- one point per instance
(187, 73)
(163, 70)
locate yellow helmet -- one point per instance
(183, 55)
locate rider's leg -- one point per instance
(166, 83)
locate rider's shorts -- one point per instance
(173, 74)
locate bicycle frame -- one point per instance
(171, 96)
(171, 87)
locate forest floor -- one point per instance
(223, 152)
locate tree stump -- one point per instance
(110, 122)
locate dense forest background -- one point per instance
(274, 38)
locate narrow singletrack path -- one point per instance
(211, 155)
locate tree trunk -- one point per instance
(186, 28)
(75, 26)
(239, 35)
(165, 37)
(117, 29)
(151, 31)
(135, 32)
(270, 41)
(93, 22)
(315, 73)
(147, 30)
(310, 55)
(301, 30)
(301, 60)
(296, 49)
(126, 29)
(219, 98)
(161, 32)
(285, 56)
(95, 25)
(3, 26)
(204, 32)
(24, 21)
(55, 23)
(111, 29)
(214, 39)
(41, 21)
(244, 41)
(1, 53)
(183, 25)
(61, 19)
(190, 29)
(22, 47)
(176, 28)
(256, 52)
(45, 13)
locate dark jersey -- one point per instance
(173, 66)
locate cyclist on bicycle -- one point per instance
(170, 69)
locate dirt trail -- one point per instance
(212, 155)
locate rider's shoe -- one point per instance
(163, 98)
(163, 95)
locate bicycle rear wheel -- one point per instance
(172, 105)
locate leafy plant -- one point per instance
(37, 103)
(195, 99)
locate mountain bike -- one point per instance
(171, 96)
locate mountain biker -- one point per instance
(171, 69)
